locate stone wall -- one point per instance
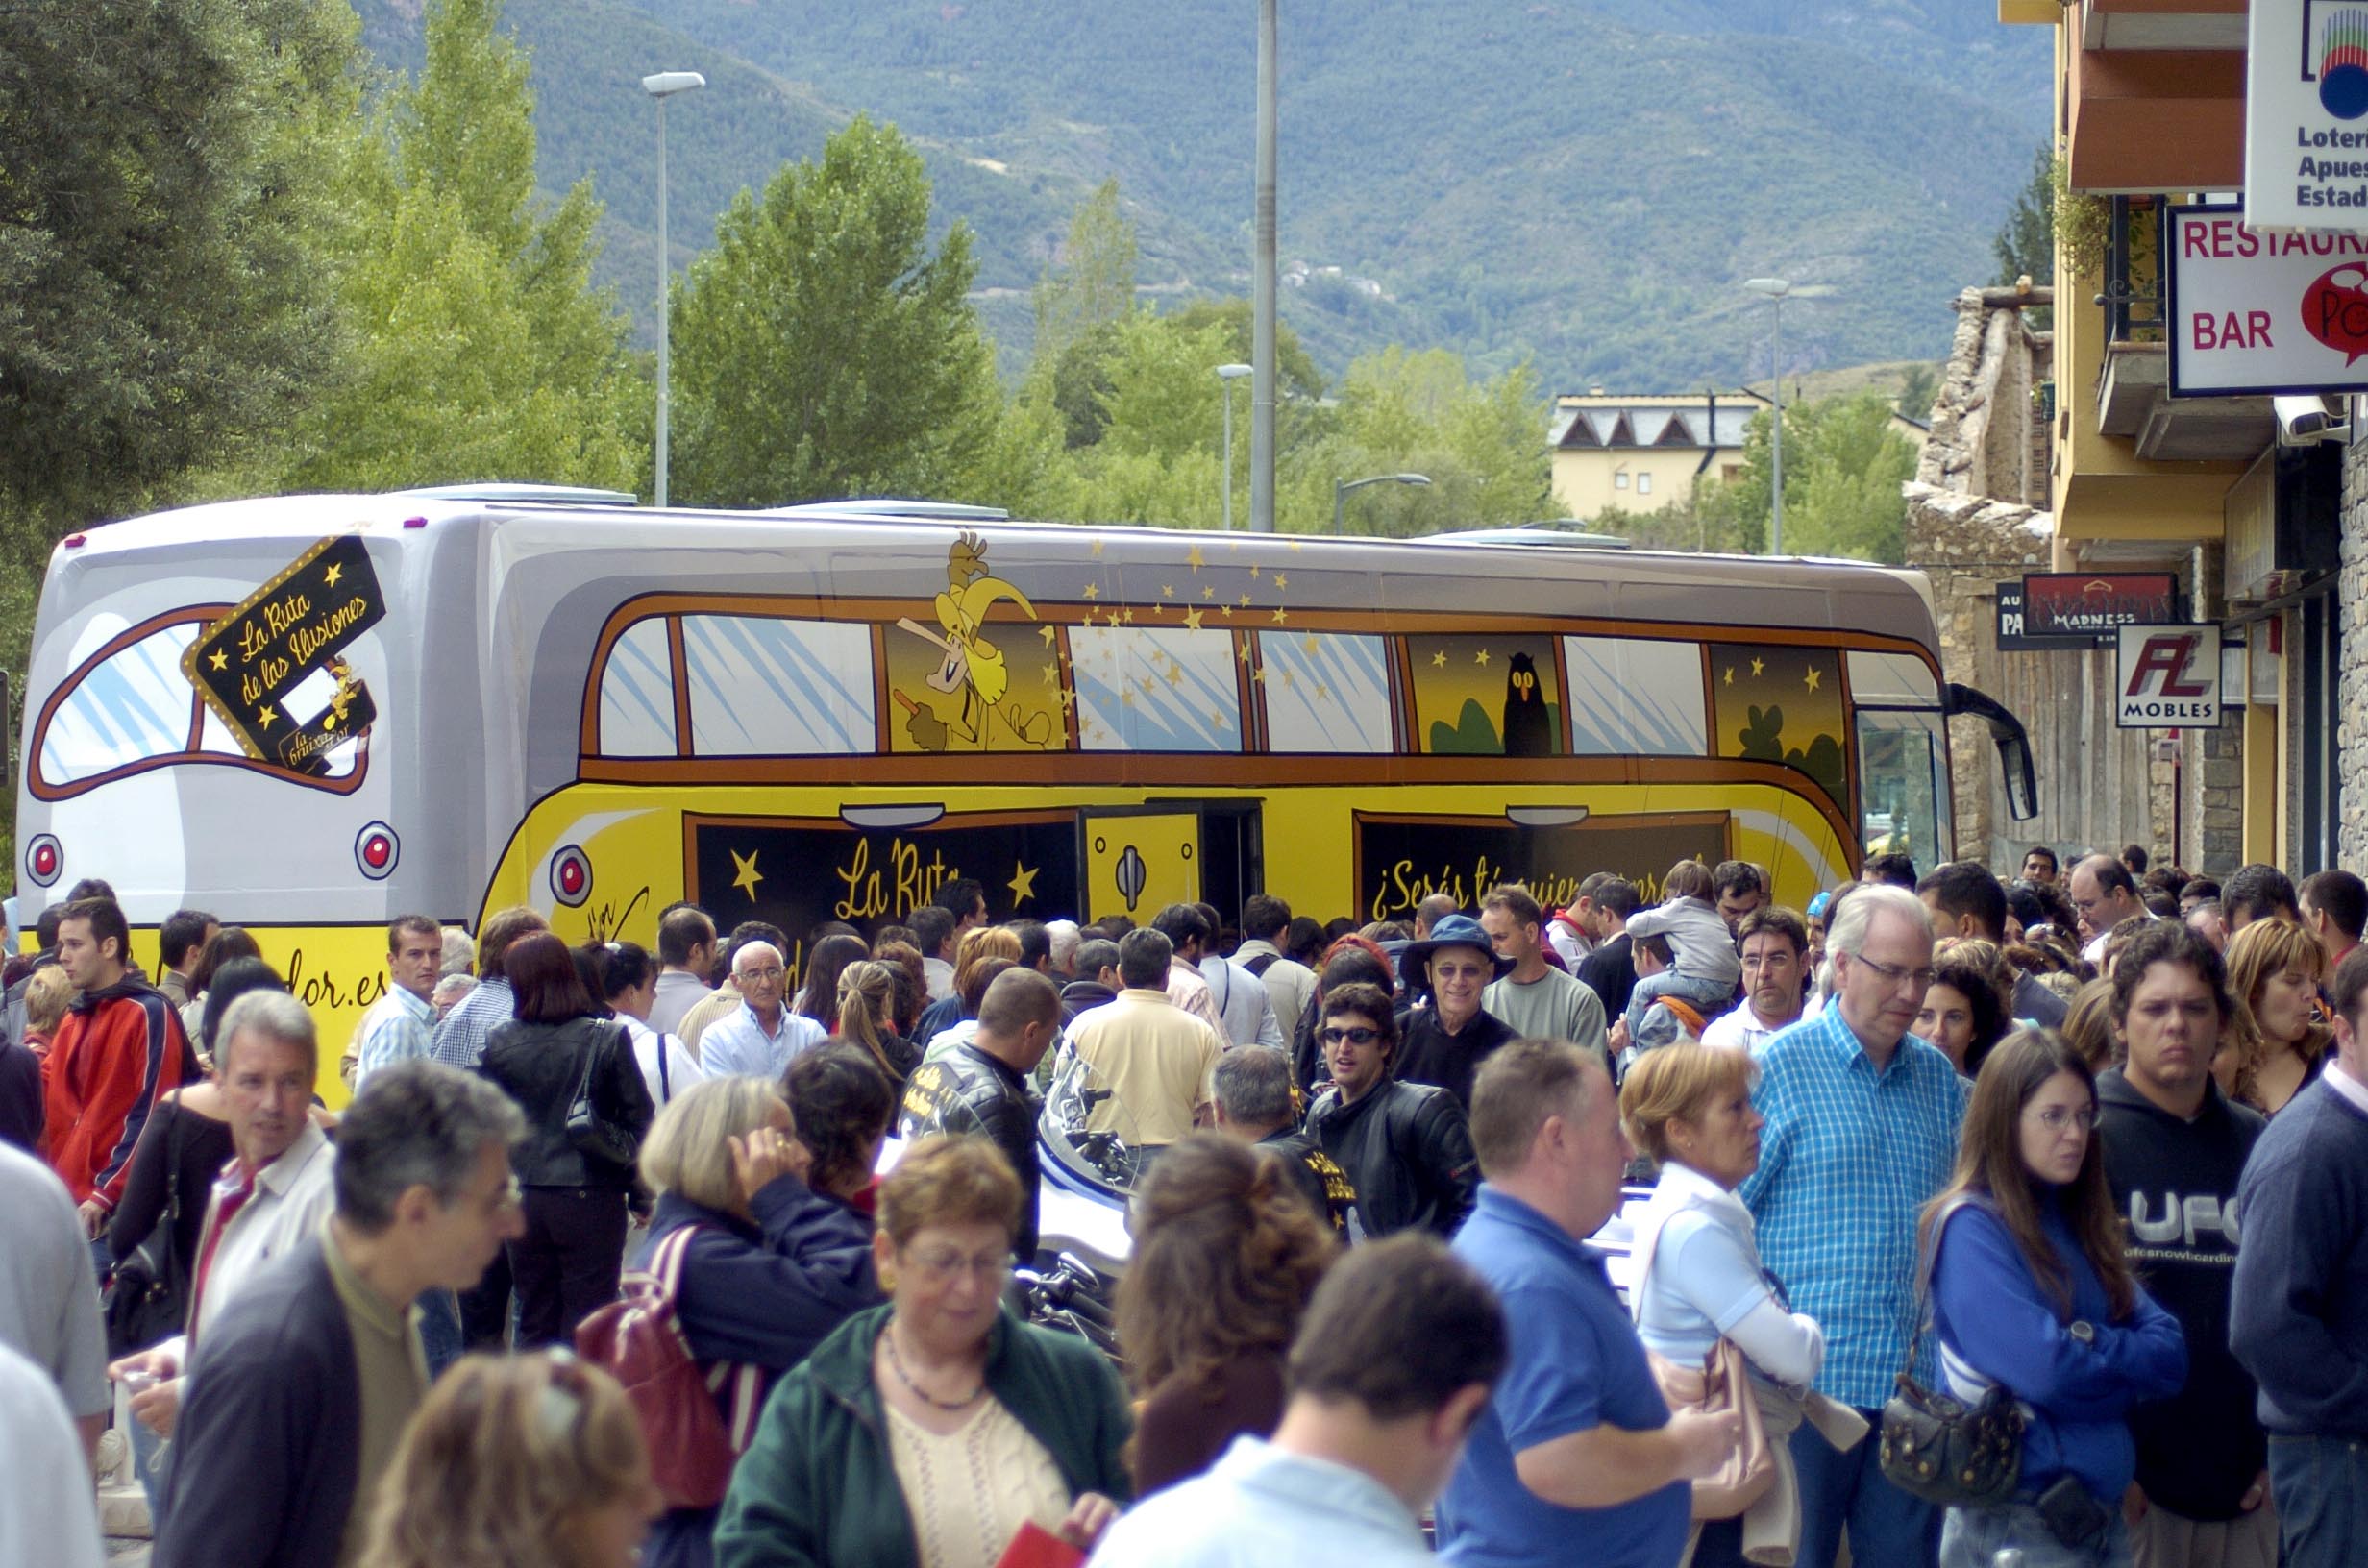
(2352, 689)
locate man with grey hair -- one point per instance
(1065, 935)
(269, 1199)
(1250, 1099)
(1861, 1121)
(301, 1390)
(761, 1035)
(1154, 1056)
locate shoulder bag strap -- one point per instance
(172, 1164)
(665, 1079)
(1928, 1260)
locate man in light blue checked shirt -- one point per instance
(1861, 1130)
(400, 1025)
(461, 1039)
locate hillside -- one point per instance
(1582, 183)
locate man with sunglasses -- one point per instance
(1406, 1147)
(1861, 1130)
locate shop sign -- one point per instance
(2258, 312)
(2167, 678)
(2083, 609)
(2307, 115)
(2014, 634)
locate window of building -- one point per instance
(770, 686)
(1644, 485)
(1324, 692)
(1620, 481)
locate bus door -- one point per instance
(1139, 859)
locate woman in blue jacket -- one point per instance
(773, 1267)
(2031, 1291)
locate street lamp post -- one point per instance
(661, 86)
(1342, 487)
(1775, 289)
(1226, 376)
(1261, 291)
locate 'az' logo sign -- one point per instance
(2167, 676)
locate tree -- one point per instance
(1918, 386)
(155, 192)
(821, 348)
(1096, 285)
(1843, 468)
(479, 348)
(2025, 241)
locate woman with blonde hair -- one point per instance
(2275, 971)
(2088, 1025)
(1227, 1254)
(517, 1461)
(866, 1009)
(1700, 1280)
(928, 1433)
(978, 945)
(769, 1266)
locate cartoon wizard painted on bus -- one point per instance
(972, 668)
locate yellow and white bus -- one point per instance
(310, 714)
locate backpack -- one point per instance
(1259, 965)
(639, 1340)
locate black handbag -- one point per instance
(147, 1298)
(588, 1130)
(1936, 1447)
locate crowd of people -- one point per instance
(1648, 1231)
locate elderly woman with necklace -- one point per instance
(927, 1432)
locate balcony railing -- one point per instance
(2132, 297)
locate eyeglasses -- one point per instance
(2056, 1117)
(1894, 974)
(1353, 1037)
(940, 1267)
(762, 976)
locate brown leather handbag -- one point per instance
(1719, 1384)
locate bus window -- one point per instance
(1783, 705)
(637, 694)
(769, 686)
(1156, 689)
(1486, 694)
(133, 707)
(1325, 693)
(1904, 785)
(1630, 696)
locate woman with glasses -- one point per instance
(927, 1432)
(522, 1461)
(1699, 1276)
(1226, 1253)
(773, 1264)
(2031, 1291)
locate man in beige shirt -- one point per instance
(1154, 1056)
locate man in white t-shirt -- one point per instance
(2104, 895)
(1535, 999)
(1775, 944)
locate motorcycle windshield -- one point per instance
(1087, 1130)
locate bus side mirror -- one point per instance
(2013, 742)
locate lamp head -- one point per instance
(1233, 373)
(666, 83)
(1775, 288)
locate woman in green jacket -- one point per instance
(924, 1434)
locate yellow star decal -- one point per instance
(1225, 610)
(1481, 657)
(1282, 617)
(1208, 591)
(1259, 674)
(1127, 698)
(1253, 571)
(1023, 883)
(1093, 590)
(1291, 681)
(1812, 677)
(1293, 546)
(1167, 590)
(1052, 674)
(1175, 674)
(1281, 582)
(1098, 548)
(1245, 655)
(332, 575)
(1759, 667)
(750, 875)
(218, 659)
(1194, 559)
(1192, 620)
(1217, 721)
(1069, 698)
(1244, 601)
(1730, 677)
(1309, 643)
(1130, 615)
(264, 719)
(1438, 660)
(1048, 633)
(1323, 692)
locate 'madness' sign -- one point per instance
(2307, 115)
(2258, 312)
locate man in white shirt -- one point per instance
(49, 1299)
(1240, 997)
(685, 953)
(1401, 1346)
(272, 1195)
(401, 1024)
(48, 1512)
(1188, 936)
(761, 1035)
(2104, 895)
(1775, 943)
(1535, 999)
(1291, 985)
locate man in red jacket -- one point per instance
(119, 1048)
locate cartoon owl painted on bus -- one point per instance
(1527, 730)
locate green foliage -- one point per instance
(1096, 285)
(821, 348)
(479, 348)
(1918, 387)
(2025, 244)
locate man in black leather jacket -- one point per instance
(1406, 1147)
(982, 1087)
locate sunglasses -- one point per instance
(1353, 1037)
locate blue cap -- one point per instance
(1816, 905)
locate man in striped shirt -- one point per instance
(1861, 1130)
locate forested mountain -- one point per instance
(1579, 181)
